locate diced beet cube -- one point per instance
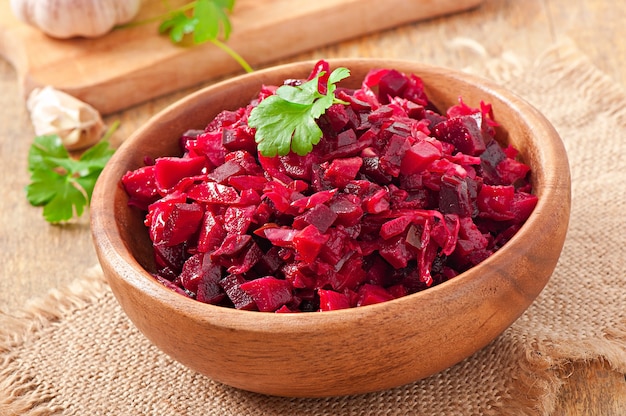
(378, 270)
(241, 182)
(192, 272)
(320, 216)
(419, 156)
(523, 205)
(395, 226)
(171, 286)
(141, 187)
(396, 252)
(314, 200)
(464, 132)
(170, 257)
(201, 276)
(370, 295)
(445, 233)
(392, 84)
(223, 119)
(496, 202)
(308, 243)
(280, 236)
(380, 115)
(210, 145)
(281, 195)
(339, 243)
(268, 293)
(237, 219)
(346, 138)
(414, 91)
(510, 170)
(210, 291)
(212, 232)
(176, 222)
(239, 297)
(470, 238)
(168, 171)
(395, 152)
(331, 300)
(455, 196)
(214, 193)
(348, 209)
(351, 274)
(238, 138)
(245, 159)
(232, 246)
(298, 279)
(269, 262)
(208, 287)
(225, 171)
(252, 253)
(264, 212)
(400, 127)
(377, 202)
(342, 171)
(249, 197)
(489, 160)
(337, 116)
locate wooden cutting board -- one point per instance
(129, 66)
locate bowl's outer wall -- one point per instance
(342, 352)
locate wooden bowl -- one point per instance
(348, 351)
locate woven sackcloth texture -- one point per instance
(74, 352)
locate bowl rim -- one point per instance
(110, 244)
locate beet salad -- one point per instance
(316, 197)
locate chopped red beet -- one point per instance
(268, 293)
(395, 198)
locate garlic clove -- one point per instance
(70, 18)
(78, 124)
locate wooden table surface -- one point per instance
(36, 257)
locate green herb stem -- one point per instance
(238, 58)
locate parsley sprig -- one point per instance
(60, 183)
(204, 20)
(287, 121)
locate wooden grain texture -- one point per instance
(35, 257)
(130, 66)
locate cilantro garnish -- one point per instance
(61, 184)
(287, 120)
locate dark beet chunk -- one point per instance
(392, 84)
(464, 132)
(489, 161)
(268, 293)
(455, 196)
(231, 284)
(238, 138)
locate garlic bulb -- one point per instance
(78, 124)
(70, 18)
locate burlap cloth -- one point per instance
(74, 352)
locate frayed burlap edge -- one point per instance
(20, 396)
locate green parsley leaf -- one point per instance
(288, 120)
(61, 184)
(207, 20)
